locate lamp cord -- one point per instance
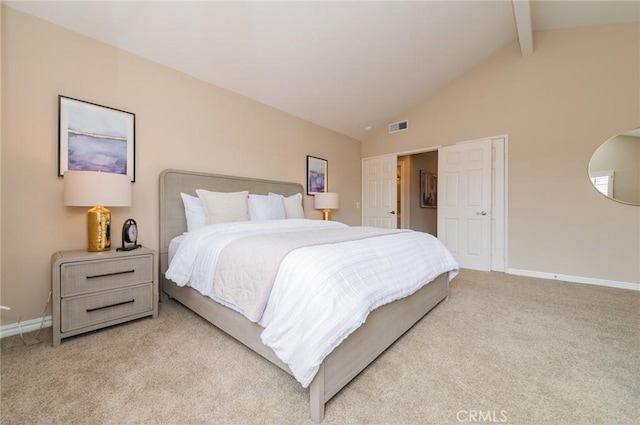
(36, 339)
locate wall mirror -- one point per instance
(614, 169)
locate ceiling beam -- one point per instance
(522, 12)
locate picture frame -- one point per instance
(93, 137)
(428, 190)
(317, 175)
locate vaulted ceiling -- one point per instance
(347, 66)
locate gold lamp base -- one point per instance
(326, 214)
(99, 229)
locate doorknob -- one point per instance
(392, 212)
(481, 213)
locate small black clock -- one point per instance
(129, 236)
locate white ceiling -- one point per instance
(342, 65)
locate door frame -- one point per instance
(495, 265)
(403, 215)
(498, 190)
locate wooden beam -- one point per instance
(522, 12)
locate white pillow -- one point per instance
(263, 207)
(224, 207)
(194, 211)
(292, 205)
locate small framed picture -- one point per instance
(428, 190)
(95, 138)
(316, 175)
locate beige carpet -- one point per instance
(501, 349)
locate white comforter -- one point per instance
(322, 293)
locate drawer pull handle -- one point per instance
(110, 274)
(89, 310)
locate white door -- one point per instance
(464, 202)
(379, 194)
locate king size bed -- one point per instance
(256, 324)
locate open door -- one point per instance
(379, 196)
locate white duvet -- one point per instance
(321, 293)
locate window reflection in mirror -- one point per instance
(614, 168)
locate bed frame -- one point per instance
(381, 329)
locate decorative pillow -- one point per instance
(263, 207)
(194, 211)
(224, 207)
(292, 205)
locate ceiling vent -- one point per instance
(395, 127)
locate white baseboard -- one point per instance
(576, 279)
(26, 325)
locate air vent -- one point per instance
(395, 127)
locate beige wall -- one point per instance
(579, 88)
(181, 122)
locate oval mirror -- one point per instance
(614, 168)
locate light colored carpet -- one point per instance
(501, 349)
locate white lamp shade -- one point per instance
(326, 200)
(90, 188)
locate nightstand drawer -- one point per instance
(79, 312)
(90, 276)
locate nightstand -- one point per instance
(92, 290)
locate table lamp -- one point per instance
(326, 201)
(97, 189)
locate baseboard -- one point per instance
(576, 279)
(26, 325)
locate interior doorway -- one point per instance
(391, 184)
(418, 210)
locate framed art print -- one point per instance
(95, 138)
(316, 175)
(428, 190)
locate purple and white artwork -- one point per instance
(316, 175)
(95, 138)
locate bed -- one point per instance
(382, 327)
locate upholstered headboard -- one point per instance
(172, 218)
